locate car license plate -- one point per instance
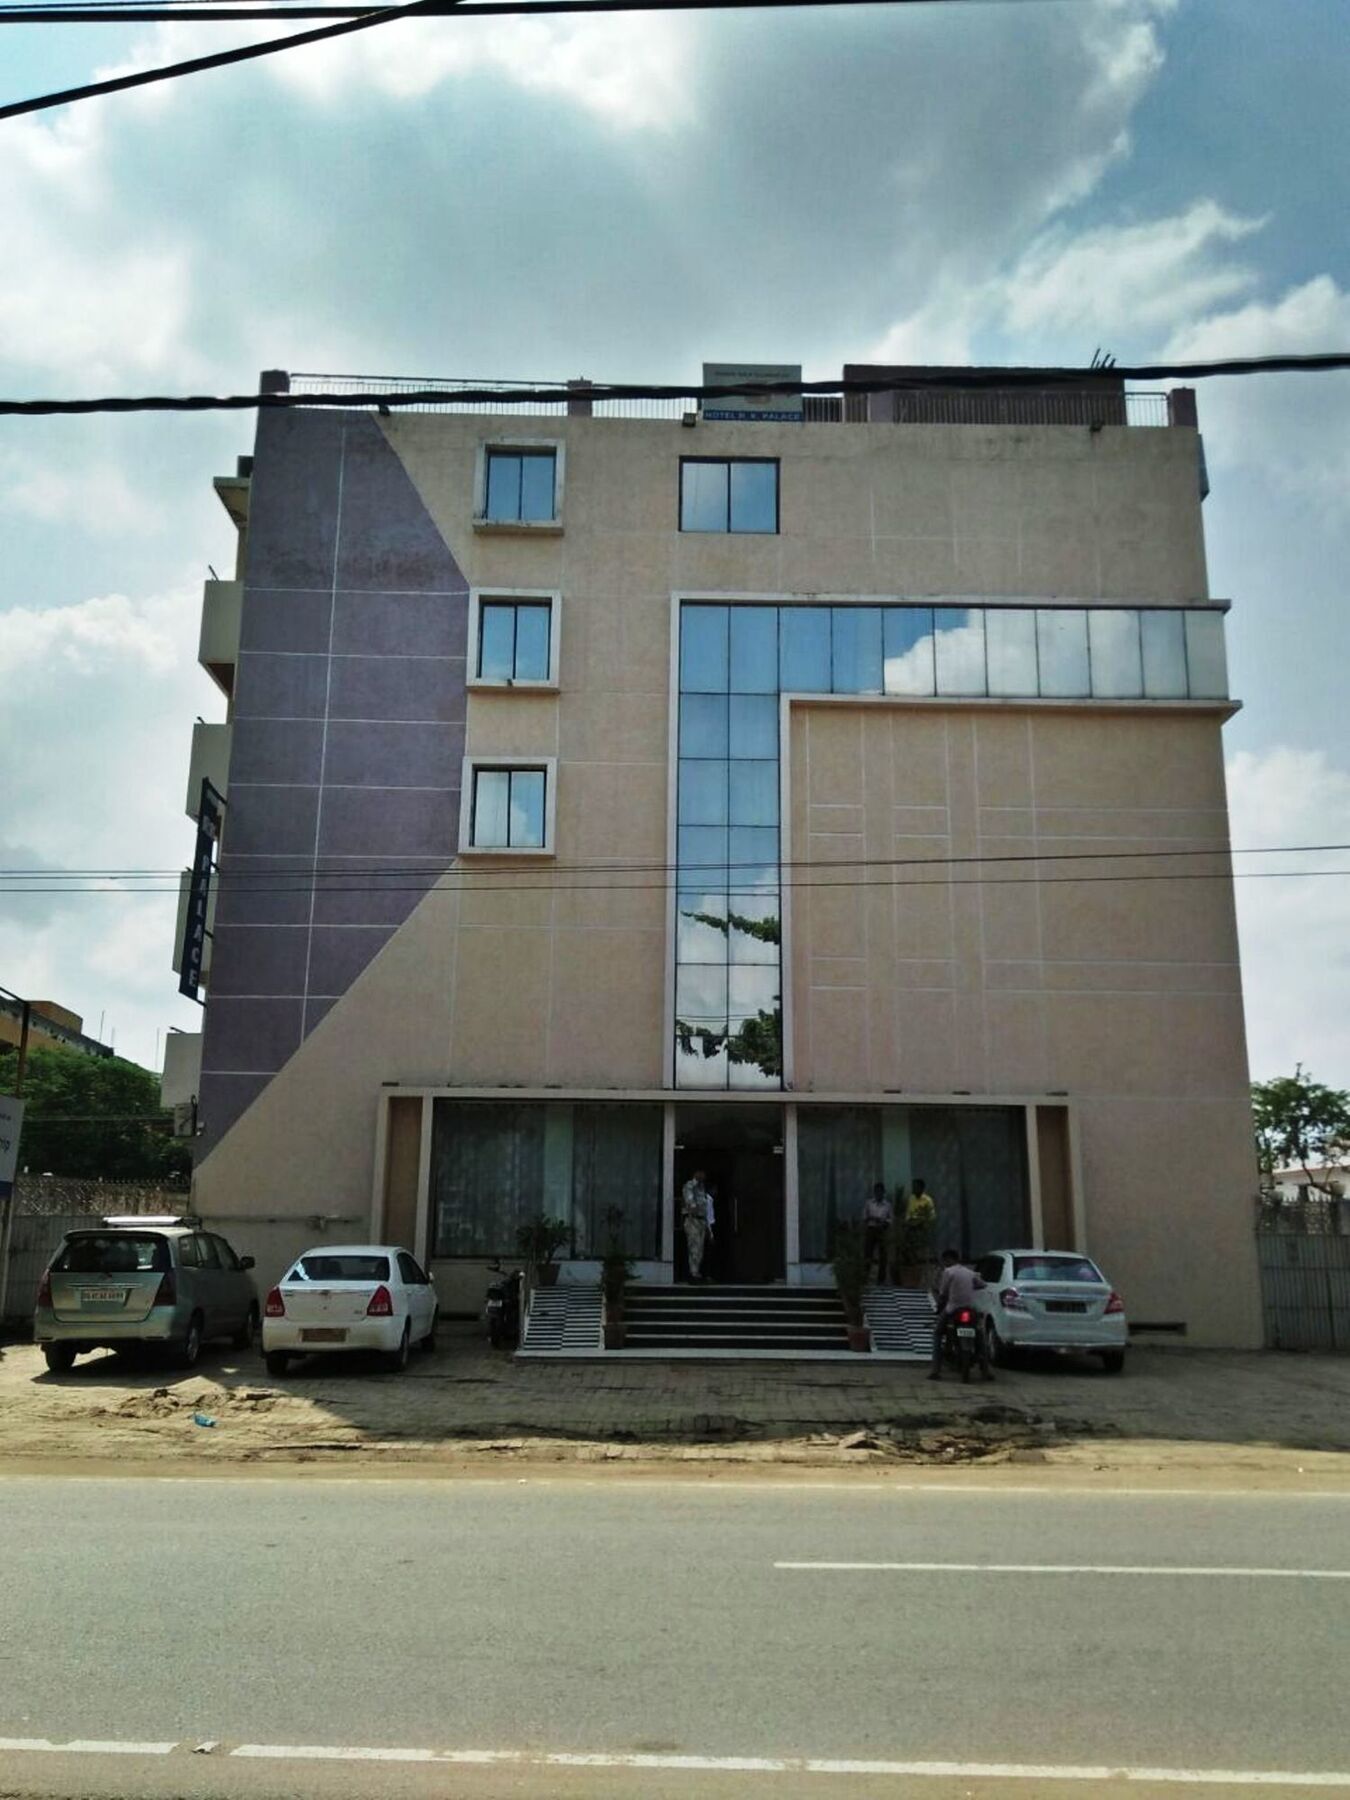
(322, 1334)
(965, 1331)
(1066, 1306)
(103, 1296)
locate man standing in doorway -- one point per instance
(877, 1216)
(694, 1212)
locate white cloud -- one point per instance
(1294, 936)
(93, 636)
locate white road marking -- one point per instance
(716, 1765)
(87, 1746)
(970, 1568)
(806, 1765)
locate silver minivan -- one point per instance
(144, 1279)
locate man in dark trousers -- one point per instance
(956, 1289)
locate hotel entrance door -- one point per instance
(739, 1149)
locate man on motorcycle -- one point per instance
(955, 1292)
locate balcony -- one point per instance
(211, 759)
(180, 1082)
(218, 647)
(180, 927)
(232, 491)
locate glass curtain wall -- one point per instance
(497, 1164)
(735, 662)
(972, 1160)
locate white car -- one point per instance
(350, 1297)
(1050, 1300)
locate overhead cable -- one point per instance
(889, 383)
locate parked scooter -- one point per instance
(502, 1307)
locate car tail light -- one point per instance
(1115, 1304)
(1013, 1301)
(274, 1307)
(44, 1293)
(166, 1294)
(965, 1316)
(381, 1306)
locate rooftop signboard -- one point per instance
(776, 409)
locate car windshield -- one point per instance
(1056, 1268)
(342, 1268)
(112, 1253)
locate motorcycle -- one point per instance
(960, 1340)
(502, 1307)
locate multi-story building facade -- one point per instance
(813, 802)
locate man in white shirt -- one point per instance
(955, 1292)
(877, 1216)
(695, 1213)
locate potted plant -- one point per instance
(916, 1240)
(850, 1278)
(616, 1270)
(539, 1240)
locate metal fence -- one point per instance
(1069, 406)
(1305, 1288)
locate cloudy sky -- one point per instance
(621, 198)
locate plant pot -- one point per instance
(546, 1275)
(913, 1275)
(614, 1328)
(859, 1338)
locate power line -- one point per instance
(912, 381)
(218, 59)
(311, 871)
(98, 12)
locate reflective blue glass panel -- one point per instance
(754, 496)
(1206, 656)
(527, 809)
(1010, 641)
(532, 642)
(856, 641)
(960, 649)
(754, 649)
(1062, 652)
(754, 933)
(701, 930)
(703, 649)
(503, 486)
(703, 793)
(1164, 648)
(536, 486)
(754, 725)
(703, 857)
(754, 793)
(703, 725)
(701, 992)
(907, 648)
(496, 641)
(804, 649)
(491, 809)
(1113, 640)
(703, 496)
(754, 857)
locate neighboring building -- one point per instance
(50, 1027)
(919, 701)
(1329, 1178)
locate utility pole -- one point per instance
(10, 1199)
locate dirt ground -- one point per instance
(1245, 1415)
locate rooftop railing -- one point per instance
(915, 406)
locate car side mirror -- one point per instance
(247, 1262)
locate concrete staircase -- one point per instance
(712, 1317)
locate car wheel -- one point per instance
(189, 1346)
(1113, 1361)
(277, 1362)
(997, 1351)
(398, 1359)
(60, 1358)
(428, 1343)
(247, 1333)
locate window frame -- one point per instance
(473, 766)
(491, 596)
(727, 530)
(518, 446)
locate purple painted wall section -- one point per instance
(348, 717)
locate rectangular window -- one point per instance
(521, 487)
(728, 495)
(509, 808)
(515, 640)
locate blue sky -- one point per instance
(622, 198)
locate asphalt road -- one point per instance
(1004, 1630)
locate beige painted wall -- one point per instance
(1124, 993)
